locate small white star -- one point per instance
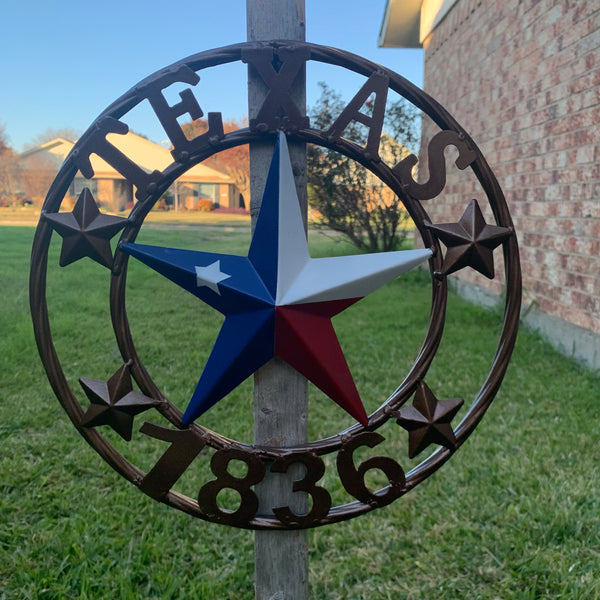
(210, 276)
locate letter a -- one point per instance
(377, 84)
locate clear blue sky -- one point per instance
(63, 62)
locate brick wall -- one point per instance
(523, 77)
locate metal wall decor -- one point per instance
(264, 306)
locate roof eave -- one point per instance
(401, 26)
(408, 23)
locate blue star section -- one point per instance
(264, 249)
(241, 291)
(244, 345)
(277, 301)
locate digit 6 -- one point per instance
(353, 479)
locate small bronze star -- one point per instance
(114, 402)
(428, 421)
(470, 242)
(86, 231)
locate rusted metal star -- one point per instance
(86, 231)
(470, 242)
(114, 402)
(428, 420)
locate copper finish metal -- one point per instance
(85, 231)
(428, 421)
(470, 243)
(114, 402)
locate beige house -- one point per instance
(112, 190)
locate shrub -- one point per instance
(204, 205)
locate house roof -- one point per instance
(147, 154)
(53, 152)
(407, 23)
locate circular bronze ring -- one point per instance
(347, 440)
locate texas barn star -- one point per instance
(277, 301)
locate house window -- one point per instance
(187, 193)
(79, 183)
(208, 190)
(200, 190)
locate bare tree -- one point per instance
(235, 162)
(35, 176)
(9, 172)
(50, 134)
(32, 173)
(345, 196)
(9, 179)
(3, 139)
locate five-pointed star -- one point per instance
(210, 276)
(86, 231)
(278, 301)
(470, 242)
(114, 402)
(428, 420)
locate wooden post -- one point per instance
(280, 393)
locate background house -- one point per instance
(40, 164)
(523, 77)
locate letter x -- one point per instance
(279, 83)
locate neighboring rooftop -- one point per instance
(148, 155)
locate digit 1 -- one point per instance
(186, 444)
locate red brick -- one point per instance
(531, 99)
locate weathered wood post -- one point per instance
(280, 393)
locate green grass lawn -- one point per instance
(514, 515)
(30, 215)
